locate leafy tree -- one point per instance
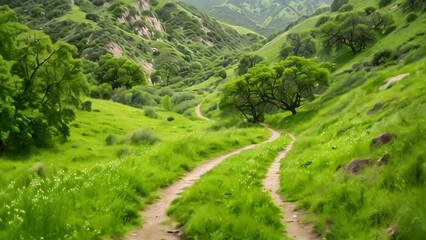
(41, 84)
(167, 70)
(349, 29)
(243, 96)
(247, 62)
(295, 79)
(119, 72)
(298, 44)
(281, 86)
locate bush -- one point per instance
(346, 8)
(181, 97)
(139, 136)
(86, 106)
(212, 107)
(411, 17)
(383, 3)
(381, 57)
(337, 4)
(183, 106)
(150, 112)
(165, 91)
(110, 140)
(170, 119)
(369, 10)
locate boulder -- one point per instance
(383, 160)
(382, 139)
(356, 165)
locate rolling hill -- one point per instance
(263, 17)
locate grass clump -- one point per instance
(229, 203)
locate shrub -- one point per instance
(383, 3)
(411, 17)
(346, 8)
(181, 97)
(165, 91)
(337, 4)
(170, 119)
(183, 106)
(139, 136)
(110, 140)
(381, 57)
(369, 10)
(86, 106)
(150, 112)
(212, 107)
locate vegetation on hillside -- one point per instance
(263, 17)
(348, 81)
(41, 85)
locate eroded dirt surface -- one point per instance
(291, 219)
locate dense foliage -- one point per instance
(41, 85)
(282, 86)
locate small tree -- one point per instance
(247, 62)
(298, 44)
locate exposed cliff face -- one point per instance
(141, 20)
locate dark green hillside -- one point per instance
(264, 17)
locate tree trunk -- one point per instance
(293, 111)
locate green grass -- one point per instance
(51, 195)
(334, 131)
(229, 203)
(76, 15)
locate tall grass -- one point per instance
(379, 200)
(105, 200)
(229, 203)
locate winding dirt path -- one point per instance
(291, 218)
(154, 216)
(198, 112)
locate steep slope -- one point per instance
(264, 17)
(358, 166)
(175, 32)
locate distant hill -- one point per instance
(179, 33)
(264, 17)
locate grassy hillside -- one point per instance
(263, 17)
(381, 201)
(90, 186)
(93, 185)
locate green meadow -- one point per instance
(90, 188)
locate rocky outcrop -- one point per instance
(382, 139)
(356, 165)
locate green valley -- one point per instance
(163, 119)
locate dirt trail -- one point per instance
(154, 215)
(291, 218)
(198, 111)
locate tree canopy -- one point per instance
(41, 84)
(280, 86)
